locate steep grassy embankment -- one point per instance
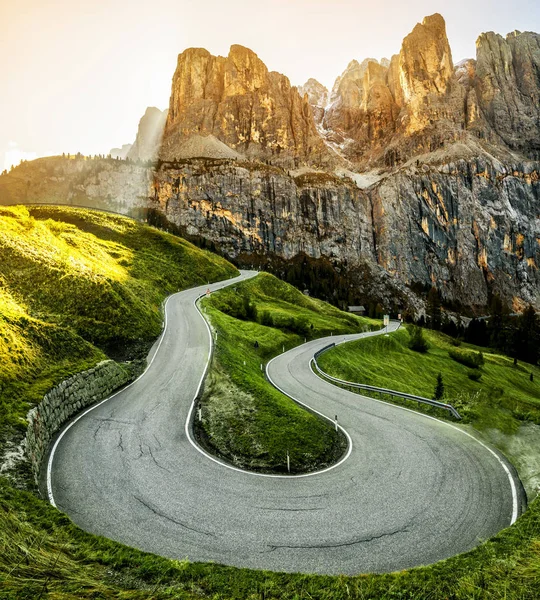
(245, 419)
(76, 285)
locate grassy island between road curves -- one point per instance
(245, 419)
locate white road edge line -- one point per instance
(79, 417)
(515, 507)
(223, 464)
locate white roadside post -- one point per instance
(288, 462)
(199, 412)
(386, 322)
(336, 423)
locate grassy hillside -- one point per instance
(495, 394)
(245, 419)
(76, 285)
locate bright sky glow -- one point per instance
(78, 76)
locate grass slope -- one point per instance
(502, 397)
(245, 419)
(77, 285)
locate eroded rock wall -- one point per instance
(469, 227)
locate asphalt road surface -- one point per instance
(412, 491)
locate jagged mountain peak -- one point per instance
(149, 135)
(236, 99)
(378, 112)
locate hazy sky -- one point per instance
(77, 76)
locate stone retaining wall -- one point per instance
(68, 398)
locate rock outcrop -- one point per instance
(149, 135)
(317, 96)
(236, 99)
(383, 113)
(507, 87)
(378, 114)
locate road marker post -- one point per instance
(336, 423)
(288, 462)
(199, 413)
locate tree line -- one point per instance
(514, 334)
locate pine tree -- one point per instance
(439, 388)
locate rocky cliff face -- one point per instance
(238, 101)
(468, 228)
(507, 88)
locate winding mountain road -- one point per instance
(412, 490)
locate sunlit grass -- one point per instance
(62, 246)
(76, 285)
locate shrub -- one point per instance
(473, 360)
(455, 342)
(474, 375)
(417, 342)
(266, 318)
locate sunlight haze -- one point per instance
(79, 77)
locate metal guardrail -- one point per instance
(372, 388)
(319, 352)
